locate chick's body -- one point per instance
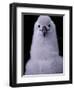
(44, 51)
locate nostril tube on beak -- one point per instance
(44, 30)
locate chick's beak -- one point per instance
(44, 30)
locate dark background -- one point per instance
(27, 32)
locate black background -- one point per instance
(27, 27)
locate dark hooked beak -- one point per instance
(44, 31)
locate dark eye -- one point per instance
(49, 25)
(39, 26)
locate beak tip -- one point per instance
(44, 34)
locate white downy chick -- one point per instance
(44, 51)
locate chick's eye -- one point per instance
(49, 25)
(38, 26)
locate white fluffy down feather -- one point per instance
(44, 51)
